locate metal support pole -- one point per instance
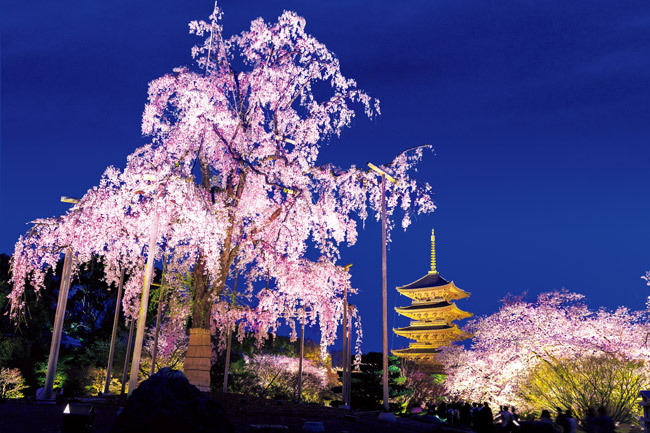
(302, 354)
(383, 290)
(346, 356)
(127, 355)
(349, 361)
(116, 319)
(144, 303)
(58, 324)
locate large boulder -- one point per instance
(168, 403)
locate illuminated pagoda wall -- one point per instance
(433, 312)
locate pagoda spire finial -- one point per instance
(433, 253)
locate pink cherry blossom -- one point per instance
(231, 175)
(509, 343)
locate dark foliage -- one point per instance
(367, 387)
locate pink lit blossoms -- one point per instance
(510, 343)
(231, 175)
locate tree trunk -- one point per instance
(202, 301)
(199, 352)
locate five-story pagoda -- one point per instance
(433, 312)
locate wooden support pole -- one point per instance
(116, 319)
(227, 367)
(127, 355)
(229, 342)
(144, 304)
(58, 325)
(161, 296)
(302, 354)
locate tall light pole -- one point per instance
(384, 176)
(346, 352)
(59, 316)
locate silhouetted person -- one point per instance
(504, 418)
(546, 421)
(476, 422)
(604, 424)
(486, 419)
(515, 419)
(515, 415)
(561, 422)
(571, 422)
(466, 414)
(442, 411)
(453, 414)
(590, 421)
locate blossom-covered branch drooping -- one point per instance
(231, 174)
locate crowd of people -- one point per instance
(480, 418)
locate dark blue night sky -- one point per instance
(539, 113)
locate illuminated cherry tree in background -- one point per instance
(508, 345)
(277, 376)
(230, 179)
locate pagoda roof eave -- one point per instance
(426, 328)
(415, 352)
(433, 308)
(454, 291)
(430, 280)
(425, 306)
(429, 349)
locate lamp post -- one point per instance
(59, 316)
(384, 176)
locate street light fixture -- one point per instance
(384, 176)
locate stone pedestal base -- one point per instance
(197, 360)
